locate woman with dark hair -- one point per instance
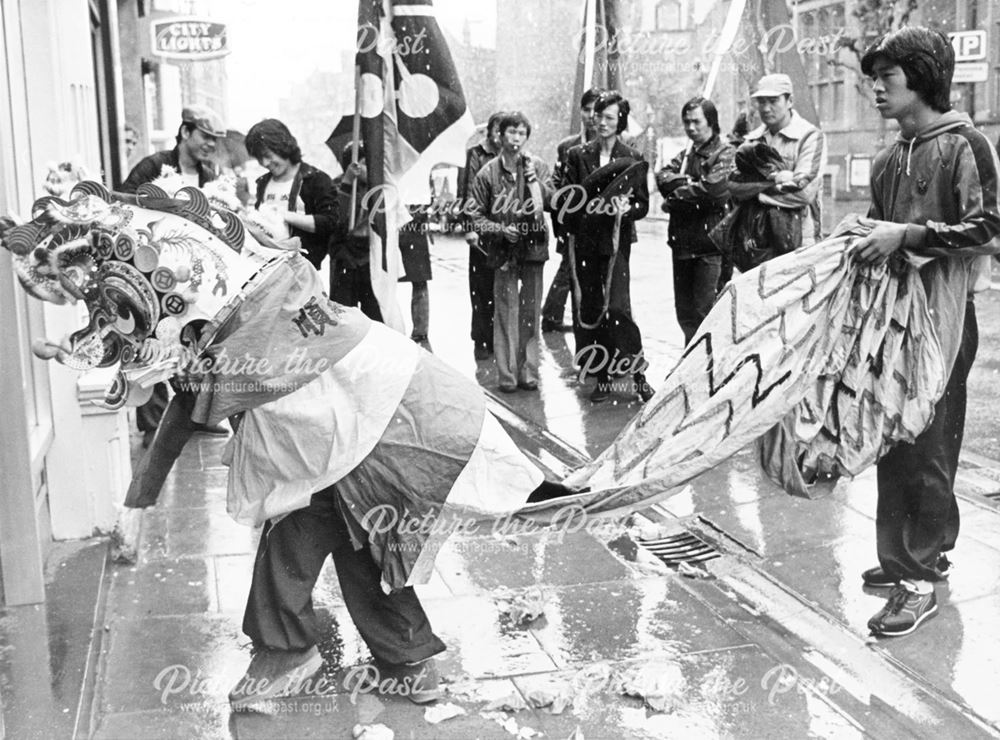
(604, 317)
(300, 196)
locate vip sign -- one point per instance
(189, 38)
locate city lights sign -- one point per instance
(189, 38)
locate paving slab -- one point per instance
(470, 565)
(729, 692)
(159, 663)
(627, 619)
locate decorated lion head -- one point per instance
(151, 272)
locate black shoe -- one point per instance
(601, 392)
(877, 578)
(644, 389)
(508, 389)
(527, 385)
(903, 612)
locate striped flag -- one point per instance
(599, 63)
(413, 116)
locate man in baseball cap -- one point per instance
(771, 86)
(801, 145)
(200, 128)
(191, 158)
(205, 120)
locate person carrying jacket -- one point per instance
(695, 186)
(934, 194)
(802, 145)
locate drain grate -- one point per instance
(681, 548)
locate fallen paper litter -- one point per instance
(441, 712)
(372, 732)
(552, 702)
(523, 608)
(660, 684)
(692, 571)
(509, 724)
(510, 703)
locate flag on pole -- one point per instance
(599, 63)
(413, 116)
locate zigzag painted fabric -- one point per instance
(828, 362)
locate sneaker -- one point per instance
(644, 389)
(903, 612)
(273, 674)
(601, 392)
(877, 578)
(418, 682)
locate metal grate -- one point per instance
(681, 548)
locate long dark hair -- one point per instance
(926, 57)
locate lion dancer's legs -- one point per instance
(280, 621)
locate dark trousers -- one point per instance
(481, 294)
(352, 286)
(290, 556)
(695, 283)
(590, 272)
(147, 416)
(917, 515)
(555, 300)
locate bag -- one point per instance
(753, 233)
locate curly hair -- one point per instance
(926, 57)
(271, 135)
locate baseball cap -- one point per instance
(205, 119)
(771, 86)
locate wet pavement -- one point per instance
(767, 639)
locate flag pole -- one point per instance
(589, 42)
(355, 136)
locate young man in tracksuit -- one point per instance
(934, 193)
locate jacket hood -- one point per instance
(947, 122)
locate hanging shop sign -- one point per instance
(189, 38)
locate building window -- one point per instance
(817, 28)
(669, 16)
